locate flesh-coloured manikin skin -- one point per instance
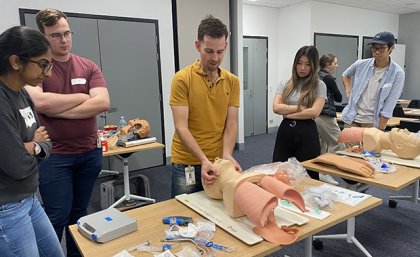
(402, 142)
(255, 195)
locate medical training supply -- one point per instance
(179, 220)
(106, 225)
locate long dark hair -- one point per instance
(310, 83)
(22, 41)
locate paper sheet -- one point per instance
(314, 213)
(345, 196)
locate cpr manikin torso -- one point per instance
(402, 142)
(255, 195)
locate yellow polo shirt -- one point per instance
(208, 105)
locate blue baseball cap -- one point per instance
(383, 38)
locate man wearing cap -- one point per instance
(377, 85)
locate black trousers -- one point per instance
(299, 139)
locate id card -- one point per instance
(189, 175)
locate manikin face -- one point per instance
(303, 67)
(402, 142)
(60, 38)
(212, 51)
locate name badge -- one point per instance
(189, 175)
(78, 81)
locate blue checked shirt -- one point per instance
(389, 92)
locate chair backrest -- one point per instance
(415, 103)
(411, 125)
(398, 111)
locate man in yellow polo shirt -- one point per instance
(205, 102)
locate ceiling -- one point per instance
(388, 6)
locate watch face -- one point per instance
(37, 148)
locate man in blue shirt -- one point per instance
(377, 85)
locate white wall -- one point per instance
(158, 9)
(255, 20)
(287, 30)
(295, 28)
(294, 32)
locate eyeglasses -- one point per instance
(58, 36)
(44, 65)
(380, 49)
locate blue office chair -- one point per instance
(415, 103)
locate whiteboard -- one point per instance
(398, 55)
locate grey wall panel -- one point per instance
(30, 20)
(85, 38)
(189, 15)
(129, 61)
(346, 50)
(408, 34)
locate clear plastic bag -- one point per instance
(318, 198)
(290, 172)
(381, 166)
(295, 170)
(269, 168)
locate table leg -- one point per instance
(127, 196)
(414, 197)
(349, 236)
(308, 246)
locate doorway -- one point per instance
(255, 62)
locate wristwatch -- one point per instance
(37, 148)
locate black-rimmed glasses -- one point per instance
(46, 66)
(58, 36)
(380, 49)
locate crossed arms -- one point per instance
(70, 106)
(297, 112)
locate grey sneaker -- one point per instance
(358, 187)
(328, 179)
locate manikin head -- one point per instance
(402, 142)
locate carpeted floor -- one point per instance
(385, 232)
